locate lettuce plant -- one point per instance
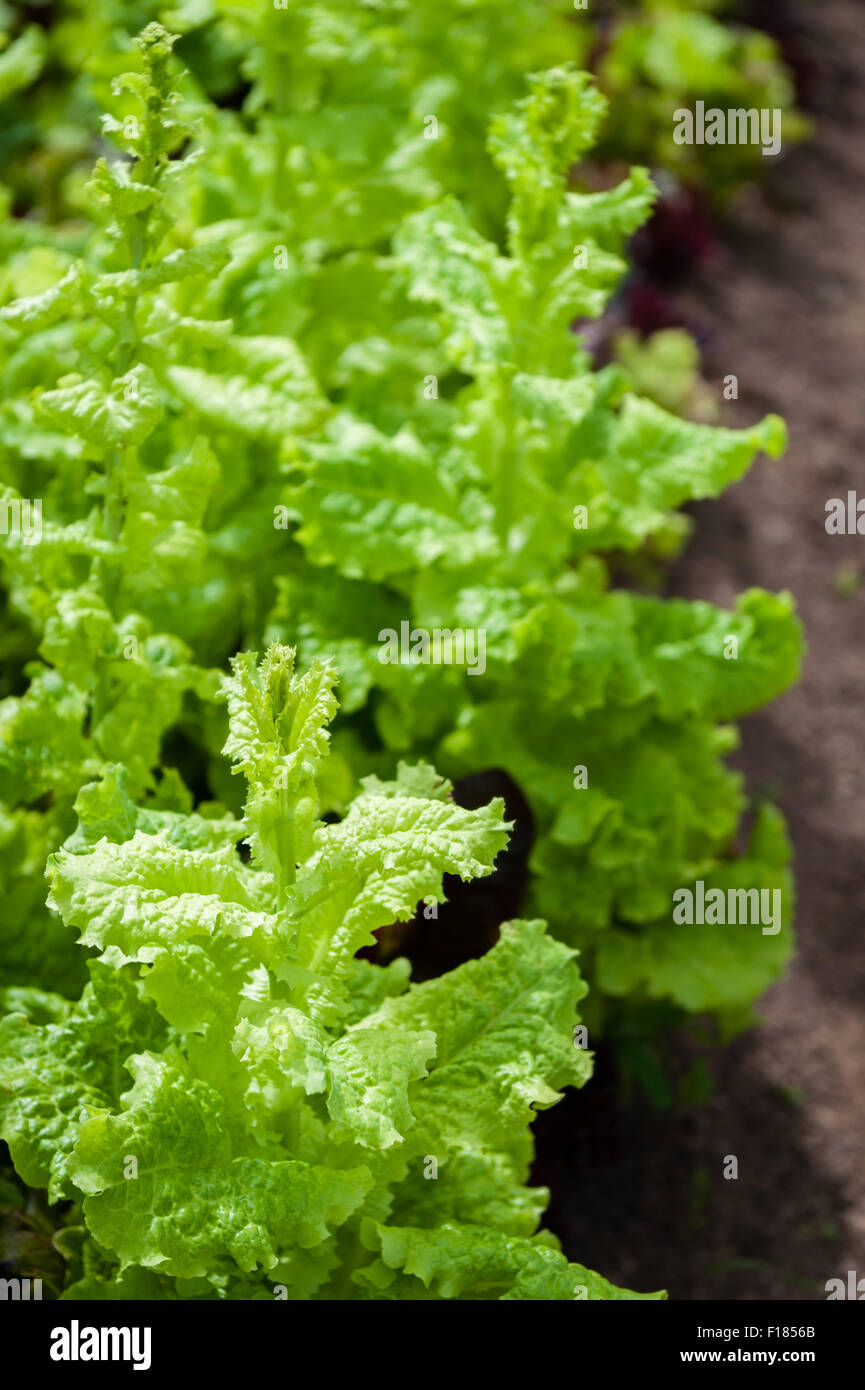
(300, 1123)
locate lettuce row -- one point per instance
(205, 436)
(300, 1123)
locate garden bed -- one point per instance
(641, 1193)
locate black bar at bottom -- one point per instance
(258, 1339)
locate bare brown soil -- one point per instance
(640, 1194)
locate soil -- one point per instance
(640, 1194)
